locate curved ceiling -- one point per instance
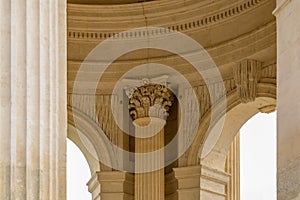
(106, 2)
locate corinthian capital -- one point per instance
(150, 100)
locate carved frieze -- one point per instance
(234, 10)
(246, 75)
(150, 100)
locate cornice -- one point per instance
(175, 16)
(225, 52)
(132, 10)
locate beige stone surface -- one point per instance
(201, 182)
(288, 116)
(242, 45)
(149, 105)
(223, 33)
(149, 185)
(232, 167)
(105, 2)
(212, 26)
(109, 185)
(33, 104)
(36, 94)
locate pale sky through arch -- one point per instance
(78, 174)
(258, 158)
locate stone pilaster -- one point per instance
(111, 185)
(201, 182)
(148, 107)
(288, 99)
(246, 76)
(33, 105)
(232, 167)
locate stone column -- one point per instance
(201, 182)
(148, 107)
(149, 186)
(109, 185)
(33, 115)
(288, 99)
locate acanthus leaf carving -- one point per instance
(150, 100)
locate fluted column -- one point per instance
(150, 185)
(148, 107)
(32, 99)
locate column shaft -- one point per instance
(148, 106)
(288, 99)
(150, 185)
(32, 99)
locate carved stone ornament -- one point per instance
(132, 84)
(150, 100)
(246, 76)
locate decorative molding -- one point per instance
(116, 185)
(268, 109)
(223, 54)
(150, 100)
(202, 182)
(105, 2)
(281, 6)
(268, 75)
(234, 10)
(246, 75)
(93, 183)
(132, 84)
(214, 175)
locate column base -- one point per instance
(201, 182)
(112, 185)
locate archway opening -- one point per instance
(258, 158)
(78, 173)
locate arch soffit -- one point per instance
(75, 136)
(236, 115)
(85, 134)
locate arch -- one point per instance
(85, 134)
(75, 136)
(214, 152)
